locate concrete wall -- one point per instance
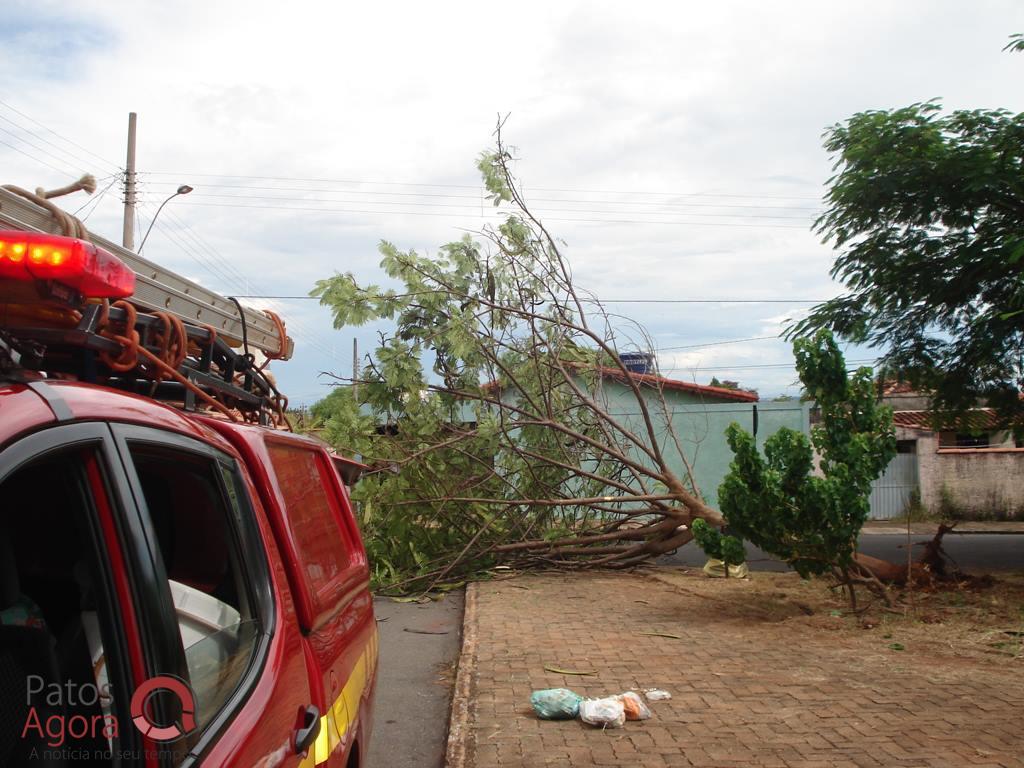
(907, 401)
(977, 480)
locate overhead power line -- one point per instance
(312, 181)
(59, 136)
(717, 343)
(477, 186)
(62, 171)
(226, 274)
(473, 208)
(298, 209)
(36, 147)
(478, 198)
(751, 367)
(713, 301)
(616, 301)
(95, 201)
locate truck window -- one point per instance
(314, 517)
(195, 519)
(58, 694)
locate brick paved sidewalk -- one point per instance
(746, 691)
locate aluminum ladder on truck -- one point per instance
(222, 363)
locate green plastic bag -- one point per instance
(556, 704)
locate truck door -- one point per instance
(71, 654)
(222, 599)
(330, 579)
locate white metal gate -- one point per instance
(891, 493)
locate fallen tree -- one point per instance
(485, 415)
(931, 566)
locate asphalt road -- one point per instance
(419, 647)
(973, 552)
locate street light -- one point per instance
(184, 189)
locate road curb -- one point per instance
(458, 723)
(954, 532)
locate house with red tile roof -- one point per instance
(971, 467)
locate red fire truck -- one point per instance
(181, 577)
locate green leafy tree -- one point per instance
(484, 413)
(778, 501)
(927, 212)
(723, 384)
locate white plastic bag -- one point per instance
(656, 694)
(606, 713)
(634, 706)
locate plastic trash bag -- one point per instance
(606, 713)
(634, 706)
(555, 704)
(715, 567)
(656, 694)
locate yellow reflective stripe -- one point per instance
(334, 737)
(340, 715)
(343, 712)
(350, 700)
(321, 747)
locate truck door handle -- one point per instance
(307, 734)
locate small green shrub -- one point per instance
(728, 549)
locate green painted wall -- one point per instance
(700, 427)
(699, 423)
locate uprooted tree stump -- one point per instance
(933, 564)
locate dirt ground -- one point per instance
(980, 620)
(766, 671)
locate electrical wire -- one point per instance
(224, 273)
(191, 251)
(37, 148)
(751, 367)
(476, 198)
(614, 301)
(96, 201)
(539, 209)
(61, 171)
(727, 224)
(240, 280)
(474, 186)
(713, 301)
(717, 343)
(225, 267)
(59, 136)
(223, 270)
(113, 177)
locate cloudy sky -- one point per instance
(676, 147)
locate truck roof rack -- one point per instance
(157, 288)
(219, 369)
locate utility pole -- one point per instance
(128, 239)
(355, 367)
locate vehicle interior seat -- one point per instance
(46, 567)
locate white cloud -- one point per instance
(728, 99)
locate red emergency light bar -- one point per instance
(93, 272)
